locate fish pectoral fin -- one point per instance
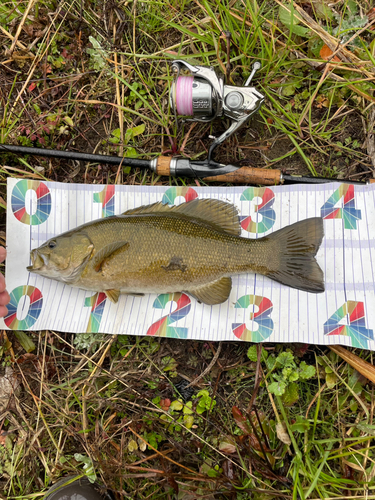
(213, 293)
(113, 295)
(107, 252)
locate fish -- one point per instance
(193, 248)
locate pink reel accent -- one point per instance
(184, 95)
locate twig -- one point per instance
(257, 378)
(20, 26)
(213, 361)
(370, 140)
(363, 367)
(228, 35)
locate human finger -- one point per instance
(2, 283)
(4, 298)
(3, 254)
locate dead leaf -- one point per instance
(371, 15)
(241, 420)
(165, 404)
(227, 445)
(9, 386)
(325, 53)
(282, 434)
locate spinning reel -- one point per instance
(203, 96)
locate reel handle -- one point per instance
(168, 166)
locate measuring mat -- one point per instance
(258, 308)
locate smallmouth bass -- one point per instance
(194, 248)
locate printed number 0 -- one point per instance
(268, 215)
(35, 307)
(262, 318)
(162, 328)
(356, 327)
(18, 199)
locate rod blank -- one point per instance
(72, 155)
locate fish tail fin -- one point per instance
(298, 245)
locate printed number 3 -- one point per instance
(265, 216)
(261, 317)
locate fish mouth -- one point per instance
(38, 261)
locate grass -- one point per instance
(80, 77)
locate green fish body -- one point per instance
(194, 248)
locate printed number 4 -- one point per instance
(355, 329)
(347, 212)
(162, 327)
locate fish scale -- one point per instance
(160, 240)
(192, 248)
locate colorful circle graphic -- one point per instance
(35, 307)
(43, 196)
(262, 317)
(174, 192)
(251, 223)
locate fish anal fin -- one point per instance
(212, 293)
(107, 252)
(112, 295)
(219, 214)
(298, 245)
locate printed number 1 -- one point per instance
(97, 304)
(107, 199)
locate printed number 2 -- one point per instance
(162, 328)
(354, 313)
(347, 212)
(262, 318)
(97, 304)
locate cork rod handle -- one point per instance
(249, 175)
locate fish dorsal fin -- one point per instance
(113, 295)
(219, 214)
(213, 293)
(106, 252)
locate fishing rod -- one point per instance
(180, 167)
(201, 96)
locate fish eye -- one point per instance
(52, 244)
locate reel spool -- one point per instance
(204, 96)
